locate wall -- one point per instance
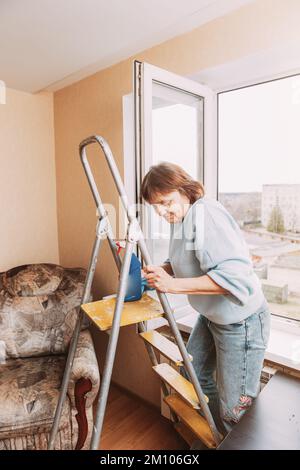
(94, 105)
(28, 224)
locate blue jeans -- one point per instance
(233, 355)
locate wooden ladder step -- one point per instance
(191, 419)
(185, 432)
(101, 312)
(177, 382)
(166, 347)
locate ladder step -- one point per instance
(176, 381)
(164, 345)
(101, 312)
(191, 419)
(185, 432)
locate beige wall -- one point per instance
(94, 105)
(28, 225)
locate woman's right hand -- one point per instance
(166, 267)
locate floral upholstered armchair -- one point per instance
(38, 311)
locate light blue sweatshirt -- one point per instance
(209, 241)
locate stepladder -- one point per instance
(189, 408)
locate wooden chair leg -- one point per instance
(82, 387)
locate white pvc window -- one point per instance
(176, 122)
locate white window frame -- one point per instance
(261, 68)
(278, 322)
(211, 165)
(151, 74)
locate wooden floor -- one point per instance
(131, 424)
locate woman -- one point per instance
(210, 262)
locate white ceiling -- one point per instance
(265, 65)
(48, 44)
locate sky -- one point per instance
(259, 136)
(175, 139)
(174, 136)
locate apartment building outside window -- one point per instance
(259, 182)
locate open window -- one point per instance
(259, 139)
(175, 121)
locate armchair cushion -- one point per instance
(29, 392)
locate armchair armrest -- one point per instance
(85, 366)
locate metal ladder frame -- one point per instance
(134, 237)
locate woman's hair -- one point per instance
(166, 177)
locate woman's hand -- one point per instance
(158, 278)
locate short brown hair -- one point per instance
(166, 177)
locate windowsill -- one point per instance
(284, 343)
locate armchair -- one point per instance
(38, 311)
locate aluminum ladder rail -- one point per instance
(134, 237)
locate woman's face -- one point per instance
(171, 206)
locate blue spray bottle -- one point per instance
(136, 285)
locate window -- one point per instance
(174, 113)
(175, 122)
(259, 182)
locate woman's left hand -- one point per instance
(158, 278)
